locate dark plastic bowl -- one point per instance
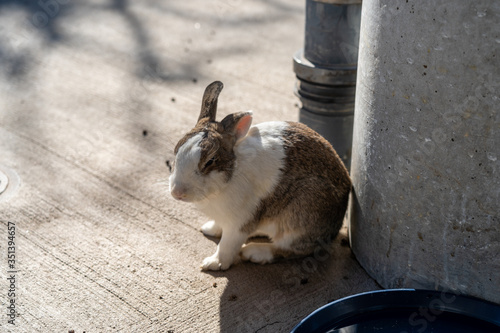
(404, 311)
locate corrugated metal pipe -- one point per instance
(326, 70)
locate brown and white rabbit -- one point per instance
(279, 179)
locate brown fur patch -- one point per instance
(218, 147)
(209, 101)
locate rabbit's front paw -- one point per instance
(214, 264)
(211, 264)
(211, 229)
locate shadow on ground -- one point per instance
(274, 298)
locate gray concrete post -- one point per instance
(425, 166)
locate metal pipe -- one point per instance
(326, 70)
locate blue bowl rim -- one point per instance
(362, 303)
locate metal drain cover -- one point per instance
(4, 182)
(9, 183)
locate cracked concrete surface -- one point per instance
(93, 97)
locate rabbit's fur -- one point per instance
(278, 179)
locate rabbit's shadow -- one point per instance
(276, 297)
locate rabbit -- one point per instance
(276, 179)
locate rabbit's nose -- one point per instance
(179, 192)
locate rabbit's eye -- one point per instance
(170, 165)
(209, 163)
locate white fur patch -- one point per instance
(189, 153)
(211, 229)
(260, 157)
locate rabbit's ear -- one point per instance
(237, 124)
(209, 102)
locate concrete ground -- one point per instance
(93, 97)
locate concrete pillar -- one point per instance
(426, 147)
